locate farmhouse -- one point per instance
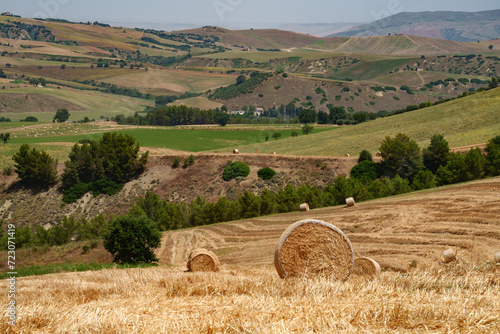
(259, 111)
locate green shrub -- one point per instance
(176, 163)
(236, 169)
(189, 161)
(266, 173)
(365, 171)
(365, 155)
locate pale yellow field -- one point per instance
(247, 295)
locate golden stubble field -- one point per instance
(415, 293)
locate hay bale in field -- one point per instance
(203, 260)
(497, 257)
(273, 152)
(349, 201)
(304, 207)
(313, 247)
(365, 267)
(236, 151)
(448, 255)
(347, 155)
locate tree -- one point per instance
(401, 156)
(35, 167)
(5, 137)
(132, 239)
(115, 157)
(493, 156)
(61, 116)
(276, 135)
(490, 47)
(222, 118)
(307, 116)
(365, 155)
(2, 74)
(437, 153)
(241, 79)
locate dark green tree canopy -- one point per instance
(307, 116)
(437, 153)
(132, 239)
(115, 157)
(400, 155)
(35, 168)
(62, 115)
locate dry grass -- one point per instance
(453, 299)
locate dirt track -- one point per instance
(395, 231)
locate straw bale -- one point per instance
(497, 257)
(448, 255)
(304, 207)
(365, 267)
(349, 201)
(203, 260)
(236, 151)
(313, 248)
(273, 152)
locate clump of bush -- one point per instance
(234, 170)
(266, 173)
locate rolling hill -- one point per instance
(454, 26)
(470, 120)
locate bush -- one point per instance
(132, 240)
(365, 171)
(266, 173)
(189, 161)
(234, 170)
(176, 163)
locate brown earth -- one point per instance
(400, 233)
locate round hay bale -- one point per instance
(349, 201)
(365, 267)
(347, 155)
(497, 257)
(236, 151)
(203, 260)
(313, 247)
(273, 152)
(448, 255)
(304, 207)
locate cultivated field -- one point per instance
(414, 294)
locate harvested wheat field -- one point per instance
(415, 293)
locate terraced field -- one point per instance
(396, 232)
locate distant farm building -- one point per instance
(259, 111)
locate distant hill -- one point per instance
(454, 26)
(319, 29)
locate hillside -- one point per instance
(204, 178)
(473, 119)
(454, 26)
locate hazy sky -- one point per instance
(243, 13)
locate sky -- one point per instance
(231, 13)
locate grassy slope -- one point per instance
(94, 104)
(471, 120)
